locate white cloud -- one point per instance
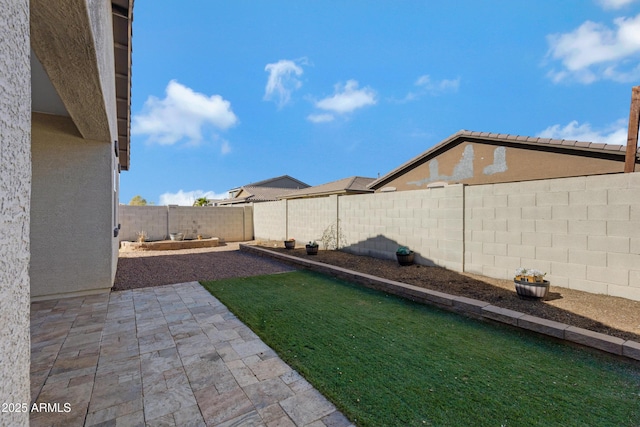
(283, 80)
(320, 118)
(427, 86)
(615, 133)
(182, 114)
(614, 4)
(445, 85)
(348, 98)
(594, 51)
(225, 148)
(186, 198)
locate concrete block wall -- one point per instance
(150, 219)
(270, 220)
(309, 218)
(248, 223)
(427, 221)
(229, 223)
(584, 231)
(223, 222)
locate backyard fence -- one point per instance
(232, 224)
(583, 231)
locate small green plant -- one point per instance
(403, 250)
(312, 244)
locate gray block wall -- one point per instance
(427, 221)
(231, 224)
(309, 218)
(270, 220)
(583, 231)
(153, 220)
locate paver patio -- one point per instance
(162, 356)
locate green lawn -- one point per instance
(385, 361)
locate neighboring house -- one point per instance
(341, 187)
(483, 158)
(267, 190)
(64, 125)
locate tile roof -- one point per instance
(524, 141)
(258, 194)
(265, 182)
(265, 191)
(351, 185)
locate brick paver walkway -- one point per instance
(163, 356)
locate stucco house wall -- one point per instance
(15, 189)
(74, 206)
(477, 158)
(72, 210)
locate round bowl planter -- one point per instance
(176, 236)
(405, 259)
(532, 290)
(289, 244)
(312, 250)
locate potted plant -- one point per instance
(290, 243)
(176, 236)
(142, 236)
(530, 283)
(404, 255)
(312, 248)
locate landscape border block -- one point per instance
(594, 339)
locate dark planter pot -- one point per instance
(289, 244)
(312, 250)
(405, 259)
(532, 290)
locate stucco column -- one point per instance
(15, 192)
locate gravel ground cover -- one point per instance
(156, 268)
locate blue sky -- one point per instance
(225, 93)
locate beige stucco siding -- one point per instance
(15, 183)
(73, 39)
(72, 210)
(476, 163)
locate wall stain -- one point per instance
(499, 162)
(462, 170)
